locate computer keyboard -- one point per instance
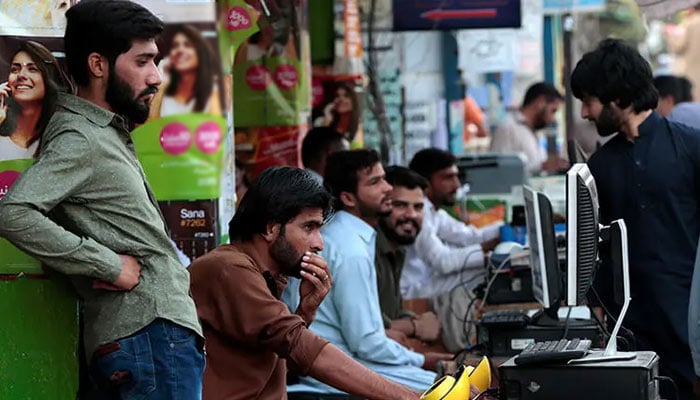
(553, 351)
(504, 319)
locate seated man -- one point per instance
(318, 143)
(687, 111)
(251, 335)
(518, 133)
(446, 262)
(350, 317)
(396, 231)
(669, 88)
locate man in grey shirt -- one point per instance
(85, 210)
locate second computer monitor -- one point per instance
(546, 275)
(581, 232)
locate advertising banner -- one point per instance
(337, 103)
(181, 145)
(262, 147)
(270, 74)
(18, 146)
(337, 89)
(271, 81)
(186, 133)
(35, 363)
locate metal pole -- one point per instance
(568, 29)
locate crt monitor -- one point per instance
(581, 233)
(546, 276)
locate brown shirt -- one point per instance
(249, 332)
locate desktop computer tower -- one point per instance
(619, 380)
(510, 341)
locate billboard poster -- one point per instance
(271, 81)
(337, 90)
(348, 58)
(337, 103)
(414, 15)
(31, 32)
(261, 147)
(18, 146)
(271, 68)
(192, 225)
(186, 132)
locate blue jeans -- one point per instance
(162, 361)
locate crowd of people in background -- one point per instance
(307, 302)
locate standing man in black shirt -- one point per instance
(648, 175)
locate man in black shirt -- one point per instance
(648, 175)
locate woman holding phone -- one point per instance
(27, 100)
(190, 84)
(342, 112)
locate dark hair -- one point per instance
(204, 82)
(545, 89)
(354, 114)
(668, 85)
(342, 169)
(428, 161)
(686, 92)
(54, 81)
(316, 142)
(277, 196)
(404, 177)
(615, 72)
(107, 27)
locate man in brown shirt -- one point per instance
(250, 333)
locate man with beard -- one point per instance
(397, 230)
(518, 133)
(648, 175)
(251, 335)
(85, 210)
(446, 262)
(350, 317)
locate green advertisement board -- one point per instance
(12, 260)
(182, 155)
(271, 76)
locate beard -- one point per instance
(394, 236)
(608, 122)
(446, 199)
(371, 211)
(539, 121)
(286, 256)
(119, 96)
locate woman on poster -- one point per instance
(27, 100)
(190, 84)
(342, 112)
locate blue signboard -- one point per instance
(413, 15)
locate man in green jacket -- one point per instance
(85, 210)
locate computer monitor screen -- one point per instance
(581, 232)
(546, 276)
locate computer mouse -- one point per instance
(507, 248)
